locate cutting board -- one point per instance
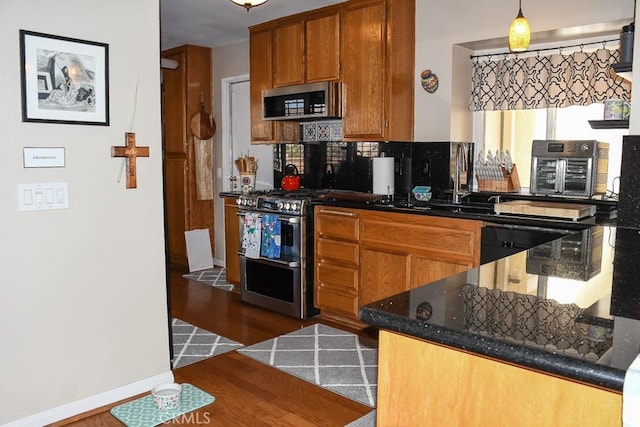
(548, 209)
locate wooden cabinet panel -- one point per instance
(346, 252)
(174, 106)
(426, 270)
(327, 298)
(477, 391)
(232, 240)
(322, 47)
(382, 274)
(175, 170)
(377, 69)
(288, 54)
(422, 234)
(363, 70)
(183, 91)
(339, 223)
(344, 279)
(260, 72)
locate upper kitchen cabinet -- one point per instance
(377, 69)
(261, 78)
(306, 47)
(322, 44)
(288, 51)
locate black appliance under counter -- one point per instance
(558, 326)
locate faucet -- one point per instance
(461, 162)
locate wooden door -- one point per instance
(175, 156)
(322, 46)
(261, 78)
(363, 70)
(383, 273)
(288, 54)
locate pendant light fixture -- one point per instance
(248, 4)
(519, 32)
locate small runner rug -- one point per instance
(216, 277)
(192, 344)
(337, 360)
(144, 413)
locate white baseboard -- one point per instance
(219, 262)
(92, 402)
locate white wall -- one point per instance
(228, 61)
(83, 313)
(440, 24)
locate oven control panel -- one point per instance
(287, 206)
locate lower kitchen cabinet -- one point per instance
(337, 259)
(363, 256)
(479, 391)
(232, 240)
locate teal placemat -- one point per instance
(144, 413)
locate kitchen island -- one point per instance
(470, 350)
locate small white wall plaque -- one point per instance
(43, 157)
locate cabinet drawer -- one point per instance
(425, 237)
(338, 223)
(339, 251)
(328, 299)
(335, 275)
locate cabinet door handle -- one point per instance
(332, 212)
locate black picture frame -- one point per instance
(64, 80)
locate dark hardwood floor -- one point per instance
(248, 393)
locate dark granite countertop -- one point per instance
(579, 322)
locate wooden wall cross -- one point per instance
(131, 152)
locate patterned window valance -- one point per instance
(552, 81)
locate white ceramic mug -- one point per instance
(616, 109)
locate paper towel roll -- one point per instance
(383, 175)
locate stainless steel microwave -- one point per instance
(302, 102)
(569, 168)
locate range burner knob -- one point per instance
(294, 206)
(280, 205)
(238, 201)
(287, 206)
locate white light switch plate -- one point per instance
(43, 196)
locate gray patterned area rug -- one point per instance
(192, 344)
(336, 360)
(216, 277)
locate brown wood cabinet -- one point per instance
(375, 63)
(478, 391)
(183, 89)
(288, 54)
(403, 251)
(232, 240)
(306, 47)
(337, 258)
(261, 78)
(362, 256)
(377, 70)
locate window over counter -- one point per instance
(515, 130)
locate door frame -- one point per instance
(227, 141)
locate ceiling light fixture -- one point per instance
(519, 32)
(248, 4)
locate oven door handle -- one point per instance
(292, 264)
(289, 219)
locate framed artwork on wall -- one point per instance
(64, 80)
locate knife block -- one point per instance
(510, 182)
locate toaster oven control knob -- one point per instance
(584, 148)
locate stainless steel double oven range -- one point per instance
(282, 282)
